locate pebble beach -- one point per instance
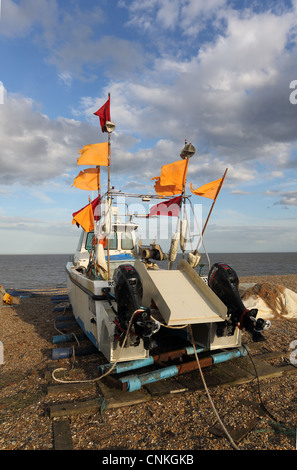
(183, 421)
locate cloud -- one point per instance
(33, 147)
(115, 55)
(247, 237)
(228, 96)
(287, 198)
(18, 20)
(284, 198)
(2, 93)
(66, 78)
(231, 99)
(70, 37)
(239, 192)
(187, 16)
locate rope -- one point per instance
(208, 394)
(278, 426)
(109, 370)
(120, 353)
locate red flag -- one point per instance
(170, 208)
(104, 114)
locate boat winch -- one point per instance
(224, 281)
(128, 294)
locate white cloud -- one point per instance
(168, 13)
(285, 198)
(35, 148)
(230, 97)
(241, 237)
(18, 19)
(66, 78)
(2, 93)
(70, 37)
(186, 16)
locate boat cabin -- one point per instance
(122, 246)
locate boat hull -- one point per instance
(95, 316)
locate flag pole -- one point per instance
(187, 152)
(214, 201)
(183, 204)
(109, 156)
(108, 194)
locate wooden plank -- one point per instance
(289, 369)
(236, 434)
(272, 355)
(62, 435)
(74, 408)
(117, 398)
(71, 388)
(266, 371)
(231, 373)
(191, 382)
(243, 371)
(227, 374)
(112, 398)
(240, 433)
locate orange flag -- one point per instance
(208, 190)
(88, 179)
(94, 154)
(172, 178)
(85, 217)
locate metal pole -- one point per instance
(214, 201)
(108, 196)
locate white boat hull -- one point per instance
(96, 318)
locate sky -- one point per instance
(220, 74)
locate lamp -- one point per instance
(110, 126)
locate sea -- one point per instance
(40, 271)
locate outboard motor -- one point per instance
(128, 295)
(223, 280)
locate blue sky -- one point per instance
(216, 73)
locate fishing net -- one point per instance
(272, 294)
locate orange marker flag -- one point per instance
(88, 179)
(208, 190)
(172, 178)
(85, 216)
(94, 154)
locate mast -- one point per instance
(187, 152)
(109, 126)
(214, 201)
(109, 130)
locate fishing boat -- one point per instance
(128, 298)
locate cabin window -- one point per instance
(80, 241)
(113, 241)
(127, 241)
(89, 241)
